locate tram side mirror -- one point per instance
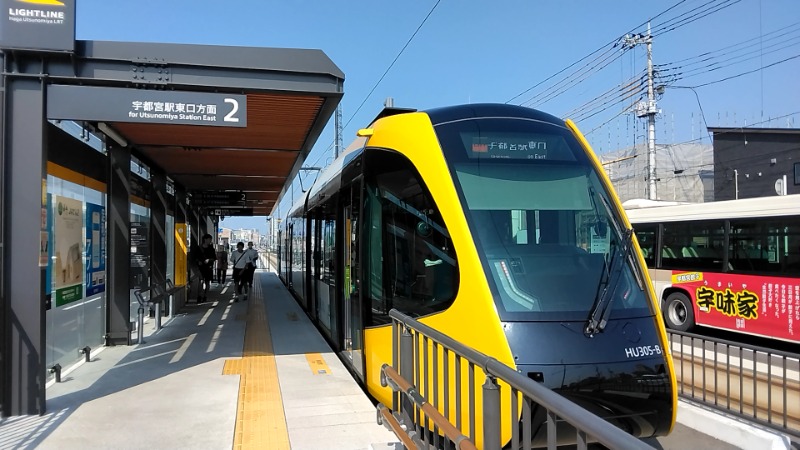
(424, 229)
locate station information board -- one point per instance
(111, 104)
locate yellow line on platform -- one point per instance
(260, 420)
(318, 364)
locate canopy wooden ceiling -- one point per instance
(291, 95)
(256, 160)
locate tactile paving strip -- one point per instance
(260, 420)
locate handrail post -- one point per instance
(406, 371)
(140, 317)
(491, 414)
(158, 315)
(140, 326)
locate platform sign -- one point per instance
(110, 104)
(47, 25)
(221, 199)
(232, 212)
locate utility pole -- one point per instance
(337, 123)
(648, 109)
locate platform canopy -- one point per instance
(232, 125)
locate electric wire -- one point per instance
(612, 43)
(610, 98)
(614, 91)
(738, 59)
(748, 72)
(663, 29)
(363, 102)
(706, 56)
(392, 64)
(588, 69)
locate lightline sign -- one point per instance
(47, 25)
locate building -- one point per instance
(756, 162)
(684, 172)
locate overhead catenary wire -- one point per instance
(605, 59)
(392, 64)
(375, 86)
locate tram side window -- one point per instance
(646, 235)
(693, 246)
(411, 262)
(765, 245)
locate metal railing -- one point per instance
(153, 296)
(756, 383)
(428, 408)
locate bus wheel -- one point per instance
(678, 313)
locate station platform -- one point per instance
(252, 374)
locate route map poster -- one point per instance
(95, 249)
(68, 237)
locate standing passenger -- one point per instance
(252, 263)
(206, 264)
(222, 264)
(239, 262)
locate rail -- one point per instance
(416, 348)
(154, 295)
(755, 383)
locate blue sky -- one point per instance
(472, 51)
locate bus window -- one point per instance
(695, 246)
(646, 235)
(765, 245)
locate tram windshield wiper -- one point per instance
(601, 309)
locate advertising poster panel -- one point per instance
(766, 306)
(95, 249)
(68, 225)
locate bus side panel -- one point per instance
(760, 305)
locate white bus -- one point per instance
(732, 265)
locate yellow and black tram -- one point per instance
(496, 225)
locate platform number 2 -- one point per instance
(234, 108)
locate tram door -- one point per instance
(351, 294)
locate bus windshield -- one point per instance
(542, 225)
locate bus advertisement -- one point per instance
(766, 306)
(732, 265)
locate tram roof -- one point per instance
(290, 95)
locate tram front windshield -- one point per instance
(543, 223)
